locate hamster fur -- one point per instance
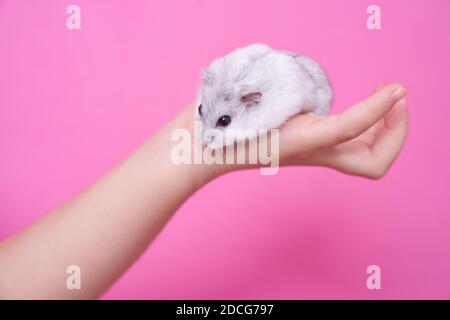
(257, 87)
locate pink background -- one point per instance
(73, 103)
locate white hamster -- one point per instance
(257, 87)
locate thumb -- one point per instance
(351, 123)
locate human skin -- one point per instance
(107, 227)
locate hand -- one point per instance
(363, 140)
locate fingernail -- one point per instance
(398, 94)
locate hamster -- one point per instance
(257, 87)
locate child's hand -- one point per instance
(363, 140)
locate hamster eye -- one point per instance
(200, 110)
(223, 121)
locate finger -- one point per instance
(336, 129)
(368, 137)
(352, 157)
(391, 138)
(379, 87)
(358, 158)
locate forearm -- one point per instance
(105, 228)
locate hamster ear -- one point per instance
(251, 99)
